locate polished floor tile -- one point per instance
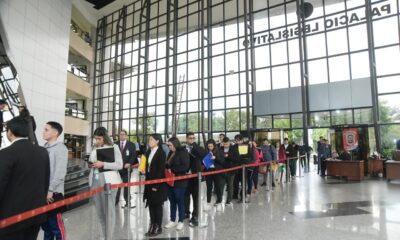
(308, 208)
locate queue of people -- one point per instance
(32, 176)
(109, 163)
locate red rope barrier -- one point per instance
(41, 210)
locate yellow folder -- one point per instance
(142, 165)
(243, 149)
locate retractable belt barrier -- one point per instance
(41, 210)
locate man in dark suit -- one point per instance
(3, 104)
(128, 151)
(24, 181)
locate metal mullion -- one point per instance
(269, 47)
(146, 70)
(348, 44)
(252, 72)
(239, 72)
(201, 20)
(372, 67)
(326, 42)
(303, 68)
(167, 55)
(175, 67)
(122, 67)
(138, 71)
(224, 54)
(156, 70)
(187, 69)
(287, 45)
(209, 67)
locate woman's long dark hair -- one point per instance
(158, 138)
(24, 113)
(212, 141)
(102, 132)
(175, 142)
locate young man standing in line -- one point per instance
(58, 153)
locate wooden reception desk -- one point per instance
(352, 170)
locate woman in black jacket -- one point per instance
(216, 179)
(155, 194)
(178, 162)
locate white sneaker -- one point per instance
(179, 227)
(170, 224)
(207, 207)
(219, 207)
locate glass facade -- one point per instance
(193, 65)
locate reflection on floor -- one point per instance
(308, 208)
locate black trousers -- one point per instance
(30, 233)
(237, 182)
(125, 179)
(323, 166)
(217, 182)
(156, 214)
(192, 190)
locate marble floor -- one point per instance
(310, 207)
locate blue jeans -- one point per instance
(176, 198)
(54, 227)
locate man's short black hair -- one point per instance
(189, 134)
(221, 134)
(265, 139)
(225, 140)
(285, 139)
(320, 138)
(18, 127)
(238, 137)
(56, 126)
(2, 101)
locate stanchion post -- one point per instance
(299, 159)
(107, 195)
(140, 186)
(287, 170)
(271, 176)
(243, 184)
(129, 188)
(202, 223)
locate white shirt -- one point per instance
(17, 139)
(152, 153)
(122, 143)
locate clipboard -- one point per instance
(105, 155)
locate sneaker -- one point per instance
(264, 184)
(194, 222)
(247, 200)
(179, 227)
(219, 207)
(187, 215)
(228, 204)
(207, 207)
(273, 184)
(170, 224)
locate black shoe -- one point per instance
(264, 184)
(157, 230)
(187, 215)
(150, 231)
(128, 206)
(273, 184)
(235, 197)
(194, 222)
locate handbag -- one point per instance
(262, 169)
(169, 174)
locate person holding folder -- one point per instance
(155, 194)
(105, 160)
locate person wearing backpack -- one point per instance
(269, 155)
